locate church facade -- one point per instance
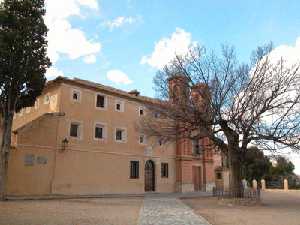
(81, 138)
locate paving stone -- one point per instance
(168, 211)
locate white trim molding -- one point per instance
(105, 101)
(124, 137)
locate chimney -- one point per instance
(178, 88)
(134, 92)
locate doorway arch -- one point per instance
(149, 176)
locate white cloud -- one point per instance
(63, 39)
(53, 72)
(118, 77)
(93, 4)
(119, 22)
(166, 49)
(90, 59)
(291, 54)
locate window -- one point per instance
(76, 95)
(141, 111)
(120, 135)
(164, 170)
(46, 99)
(196, 148)
(134, 169)
(119, 106)
(100, 101)
(99, 131)
(142, 139)
(74, 130)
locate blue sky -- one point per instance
(123, 43)
(244, 24)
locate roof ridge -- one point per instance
(103, 87)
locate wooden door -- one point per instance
(149, 176)
(197, 178)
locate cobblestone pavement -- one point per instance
(168, 211)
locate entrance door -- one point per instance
(149, 176)
(197, 178)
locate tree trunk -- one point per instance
(5, 149)
(235, 173)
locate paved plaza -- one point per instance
(277, 208)
(168, 211)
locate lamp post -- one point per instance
(64, 144)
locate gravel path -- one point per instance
(104, 211)
(168, 211)
(277, 208)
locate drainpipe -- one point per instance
(204, 168)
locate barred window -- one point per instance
(164, 170)
(134, 169)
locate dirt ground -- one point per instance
(114, 211)
(277, 208)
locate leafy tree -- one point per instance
(23, 63)
(283, 167)
(238, 104)
(256, 165)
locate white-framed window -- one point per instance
(100, 131)
(141, 111)
(76, 95)
(37, 103)
(119, 105)
(101, 101)
(47, 99)
(120, 134)
(75, 130)
(142, 139)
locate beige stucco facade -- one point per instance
(41, 164)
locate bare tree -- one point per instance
(235, 105)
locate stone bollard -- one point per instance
(245, 184)
(263, 184)
(254, 184)
(285, 185)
